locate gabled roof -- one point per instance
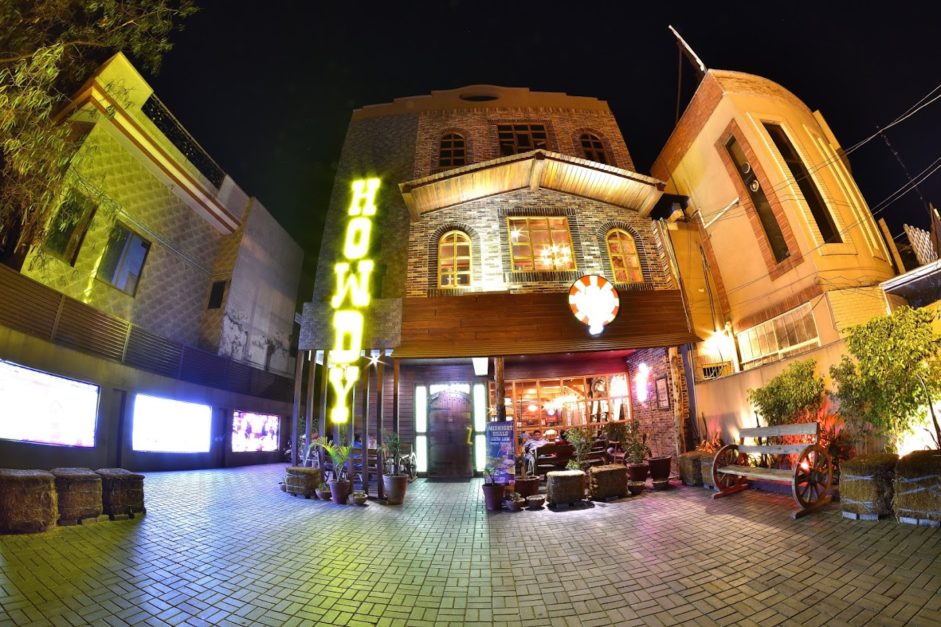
(538, 169)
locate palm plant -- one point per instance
(339, 454)
(392, 451)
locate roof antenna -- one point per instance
(700, 67)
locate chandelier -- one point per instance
(556, 256)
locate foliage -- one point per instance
(47, 49)
(392, 450)
(878, 382)
(635, 444)
(581, 441)
(711, 443)
(795, 395)
(616, 431)
(339, 455)
(494, 464)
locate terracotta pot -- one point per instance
(323, 492)
(637, 472)
(493, 496)
(527, 487)
(340, 491)
(394, 487)
(514, 505)
(660, 467)
(360, 498)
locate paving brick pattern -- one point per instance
(226, 547)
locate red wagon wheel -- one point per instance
(728, 455)
(813, 474)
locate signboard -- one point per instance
(351, 297)
(594, 301)
(501, 451)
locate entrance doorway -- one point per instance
(449, 435)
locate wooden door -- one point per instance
(449, 424)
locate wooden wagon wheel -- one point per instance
(728, 455)
(813, 474)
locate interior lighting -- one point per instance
(640, 382)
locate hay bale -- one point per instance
(918, 487)
(565, 486)
(866, 484)
(122, 492)
(302, 480)
(690, 465)
(608, 481)
(28, 501)
(79, 492)
(705, 463)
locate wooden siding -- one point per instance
(520, 324)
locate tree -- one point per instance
(795, 395)
(881, 386)
(47, 49)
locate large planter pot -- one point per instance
(493, 496)
(527, 487)
(660, 471)
(636, 478)
(340, 491)
(394, 487)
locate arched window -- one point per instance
(454, 260)
(625, 262)
(593, 148)
(453, 151)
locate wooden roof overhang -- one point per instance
(538, 169)
(476, 325)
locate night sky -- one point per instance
(268, 87)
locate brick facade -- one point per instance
(657, 422)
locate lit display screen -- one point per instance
(46, 409)
(254, 432)
(164, 425)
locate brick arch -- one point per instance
(436, 153)
(605, 142)
(476, 269)
(642, 253)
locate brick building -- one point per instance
(493, 202)
(159, 276)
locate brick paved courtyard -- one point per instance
(227, 547)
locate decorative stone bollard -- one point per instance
(28, 501)
(866, 486)
(79, 491)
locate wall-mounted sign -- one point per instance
(594, 301)
(351, 296)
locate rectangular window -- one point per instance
(517, 138)
(216, 294)
(165, 425)
(123, 260)
(778, 337)
(818, 208)
(542, 244)
(68, 227)
(765, 214)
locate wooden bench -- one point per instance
(809, 478)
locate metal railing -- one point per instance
(165, 121)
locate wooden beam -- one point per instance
(806, 428)
(364, 429)
(309, 407)
(322, 402)
(380, 386)
(396, 380)
(499, 388)
(296, 407)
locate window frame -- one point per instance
(573, 265)
(611, 255)
(122, 259)
(596, 149)
(518, 130)
(79, 230)
(455, 273)
(452, 137)
(768, 330)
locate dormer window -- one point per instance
(453, 151)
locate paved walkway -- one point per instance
(227, 547)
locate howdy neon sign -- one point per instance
(351, 296)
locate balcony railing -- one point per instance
(179, 137)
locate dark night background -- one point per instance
(268, 87)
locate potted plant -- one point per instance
(493, 492)
(339, 454)
(395, 481)
(526, 484)
(635, 450)
(581, 442)
(660, 471)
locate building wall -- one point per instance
(485, 221)
(173, 288)
(657, 422)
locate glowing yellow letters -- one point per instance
(352, 293)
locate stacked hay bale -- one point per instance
(918, 489)
(28, 501)
(565, 486)
(122, 492)
(690, 465)
(608, 482)
(302, 480)
(867, 486)
(705, 463)
(79, 492)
